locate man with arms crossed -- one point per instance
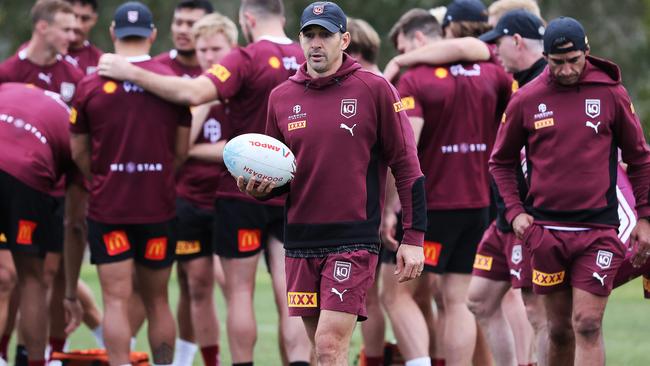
(131, 204)
(329, 112)
(576, 108)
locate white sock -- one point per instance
(422, 361)
(3, 362)
(98, 333)
(133, 343)
(185, 351)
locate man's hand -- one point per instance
(640, 240)
(263, 189)
(73, 314)
(115, 67)
(410, 262)
(388, 225)
(521, 223)
(392, 69)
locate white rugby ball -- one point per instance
(260, 156)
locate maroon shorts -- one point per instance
(337, 282)
(502, 257)
(587, 260)
(627, 273)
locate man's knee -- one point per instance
(588, 325)
(560, 332)
(329, 347)
(8, 280)
(200, 287)
(480, 306)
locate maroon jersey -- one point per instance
(170, 59)
(34, 136)
(197, 180)
(133, 136)
(86, 57)
(458, 132)
(60, 77)
(245, 78)
(571, 135)
(344, 131)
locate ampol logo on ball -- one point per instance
(259, 156)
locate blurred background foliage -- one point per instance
(618, 29)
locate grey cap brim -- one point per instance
(491, 36)
(325, 23)
(133, 31)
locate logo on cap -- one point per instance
(318, 9)
(132, 16)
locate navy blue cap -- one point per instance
(465, 10)
(562, 31)
(133, 19)
(521, 22)
(326, 14)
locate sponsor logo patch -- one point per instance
(348, 108)
(592, 107)
(109, 87)
(318, 9)
(431, 252)
(342, 270)
(73, 115)
(441, 72)
(132, 16)
(297, 125)
(515, 86)
(275, 62)
(398, 106)
(547, 279)
(408, 103)
(156, 249)
(302, 299)
(67, 91)
(116, 242)
(220, 72)
(249, 240)
(483, 262)
(517, 254)
(548, 122)
(185, 247)
(25, 232)
(604, 259)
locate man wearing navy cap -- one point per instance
(573, 119)
(332, 229)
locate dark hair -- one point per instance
(415, 20)
(196, 4)
(273, 7)
(364, 40)
(92, 3)
(468, 28)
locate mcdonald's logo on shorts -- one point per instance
(302, 299)
(116, 242)
(156, 249)
(185, 247)
(547, 279)
(483, 262)
(25, 232)
(249, 240)
(432, 253)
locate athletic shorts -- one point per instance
(627, 273)
(194, 228)
(502, 257)
(242, 228)
(587, 260)
(26, 217)
(336, 282)
(57, 225)
(151, 245)
(450, 241)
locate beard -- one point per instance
(186, 53)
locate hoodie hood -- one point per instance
(348, 66)
(597, 71)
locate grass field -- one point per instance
(627, 323)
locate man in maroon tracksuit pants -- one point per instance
(572, 119)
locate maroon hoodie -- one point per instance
(571, 135)
(345, 130)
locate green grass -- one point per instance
(627, 322)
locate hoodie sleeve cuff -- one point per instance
(413, 237)
(514, 212)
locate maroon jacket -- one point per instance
(345, 130)
(571, 134)
(86, 57)
(169, 59)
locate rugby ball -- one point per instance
(260, 156)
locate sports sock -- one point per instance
(4, 346)
(134, 341)
(421, 361)
(439, 362)
(210, 355)
(36, 363)
(372, 361)
(299, 363)
(56, 345)
(98, 333)
(21, 355)
(185, 352)
(243, 364)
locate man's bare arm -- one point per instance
(172, 88)
(182, 146)
(80, 149)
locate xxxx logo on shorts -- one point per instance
(432, 253)
(116, 242)
(184, 247)
(249, 240)
(156, 249)
(302, 299)
(25, 232)
(547, 279)
(342, 270)
(483, 262)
